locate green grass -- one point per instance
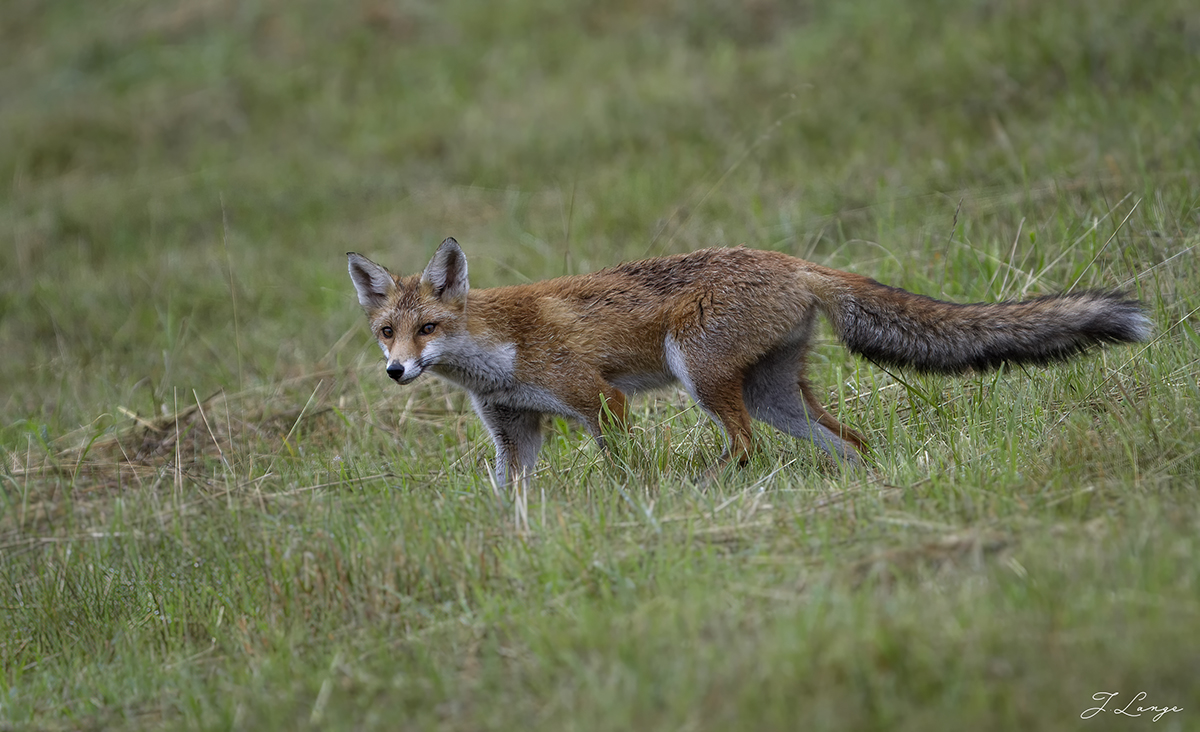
(218, 513)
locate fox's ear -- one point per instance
(447, 273)
(373, 282)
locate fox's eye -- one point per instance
(427, 328)
(387, 331)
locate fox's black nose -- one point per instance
(395, 370)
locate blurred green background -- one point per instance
(170, 163)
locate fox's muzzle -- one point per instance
(401, 374)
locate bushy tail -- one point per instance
(893, 327)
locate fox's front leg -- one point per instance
(517, 434)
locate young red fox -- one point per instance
(731, 325)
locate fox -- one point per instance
(733, 326)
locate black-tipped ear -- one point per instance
(446, 273)
(373, 282)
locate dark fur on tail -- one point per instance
(893, 327)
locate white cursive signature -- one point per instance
(1104, 697)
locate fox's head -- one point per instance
(412, 316)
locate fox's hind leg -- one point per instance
(826, 420)
(722, 398)
(719, 393)
(776, 392)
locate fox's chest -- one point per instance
(503, 388)
(496, 372)
(476, 367)
(542, 380)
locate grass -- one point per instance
(218, 513)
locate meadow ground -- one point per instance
(218, 513)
